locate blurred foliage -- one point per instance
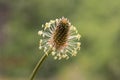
(96, 20)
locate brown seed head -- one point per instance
(60, 35)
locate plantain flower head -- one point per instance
(61, 36)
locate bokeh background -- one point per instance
(98, 21)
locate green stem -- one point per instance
(39, 64)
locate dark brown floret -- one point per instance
(61, 34)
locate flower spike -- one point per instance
(61, 36)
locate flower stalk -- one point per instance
(42, 59)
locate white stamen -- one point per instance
(53, 53)
(40, 33)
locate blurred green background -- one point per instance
(98, 21)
